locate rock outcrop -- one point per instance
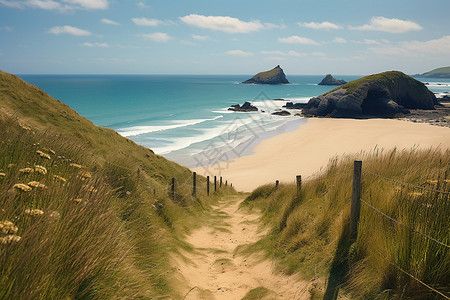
(290, 105)
(274, 76)
(281, 113)
(383, 95)
(330, 80)
(246, 107)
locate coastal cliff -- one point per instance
(274, 76)
(384, 94)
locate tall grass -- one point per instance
(88, 227)
(310, 231)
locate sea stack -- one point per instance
(330, 80)
(274, 76)
(381, 95)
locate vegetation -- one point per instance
(437, 73)
(310, 231)
(385, 78)
(84, 212)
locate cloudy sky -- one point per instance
(223, 37)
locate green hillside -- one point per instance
(443, 72)
(86, 213)
(407, 234)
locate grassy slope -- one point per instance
(309, 232)
(443, 70)
(266, 75)
(118, 211)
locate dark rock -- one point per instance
(385, 95)
(274, 76)
(290, 105)
(246, 107)
(330, 80)
(281, 113)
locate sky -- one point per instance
(305, 37)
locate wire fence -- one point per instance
(395, 220)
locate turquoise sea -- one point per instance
(185, 117)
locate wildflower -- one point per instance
(24, 127)
(26, 170)
(78, 200)
(434, 182)
(43, 154)
(59, 178)
(37, 184)
(40, 169)
(10, 239)
(2, 174)
(22, 187)
(76, 166)
(34, 212)
(93, 190)
(8, 227)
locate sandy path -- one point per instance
(217, 272)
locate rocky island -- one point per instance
(274, 76)
(246, 107)
(382, 95)
(330, 80)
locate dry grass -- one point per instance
(310, 231)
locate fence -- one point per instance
(355, 212)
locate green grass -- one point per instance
(115, 243)
(309, 232)
(257, 293)
(439, 72)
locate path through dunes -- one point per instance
(216, 270)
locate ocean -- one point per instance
(185, 118)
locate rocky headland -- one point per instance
(380, 95)
(330, 80)
(274, 76)
(436, 73)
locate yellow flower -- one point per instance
(76, 166)
(93, 190)
(8, 227)
(78, 200)
(432, 182)
(26, 170)
(2, 174)
(86, 175)
(37, 184)
(42, 154)
(59, 178)
(34, 212)
(23, 126)
(10, 239)
(22, 187)
(40, 169)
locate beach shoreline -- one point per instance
(307, 149)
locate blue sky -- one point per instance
(223, 37)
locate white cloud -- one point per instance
(69, 30)
(200, 37)
(63, 5)
(239, 53)
(281, 53)
(159, 37)
(388, 25)
(147, 22)
(89, 4)
(436, 46)
(219, 23)
(271, 26)
(141, 4)
(109, 22)
(323, 25)
(101, 45)
(295, 39)
(340, 40)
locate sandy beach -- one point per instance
(307, 149)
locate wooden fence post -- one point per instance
(226, 182)
(154, 192)
(194, 183)
(220, 185)
(207, 185)
(215, 183)
(173, 188)
(356, 199)
(277, 182)
(299, 184)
